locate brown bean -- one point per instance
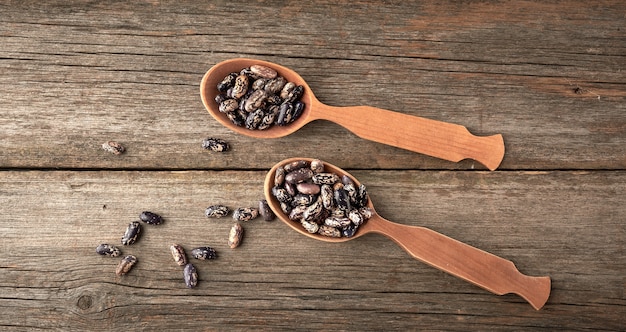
(241, 86)
(113, 147)
(263, 71)
(125, 265)
(266, 211)
(308, 188)
(235, 235)
(179, 254)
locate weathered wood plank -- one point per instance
(563, 224)
(546, 76)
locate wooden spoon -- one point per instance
(495, 274)
(434, 138)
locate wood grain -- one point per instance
(278, 279)
(547, 76)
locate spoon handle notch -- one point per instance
(434, 138)
(493, 273)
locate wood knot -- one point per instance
(84, 302)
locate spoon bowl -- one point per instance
(430, 137)
(493, 273)
(275, 204)
(208, 92)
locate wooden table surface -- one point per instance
(548, 76)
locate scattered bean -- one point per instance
(245, 214)
(150, 218)
(125, 265)
(265, 211)
(108, 250)
(216, 211)
(191, 275)
(113, 147)
(215, 144)
(132, 233)
(203, 253)
(235, 235)
(179, 254)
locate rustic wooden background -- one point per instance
(548, 76)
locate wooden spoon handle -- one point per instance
(493, 273)
(430, 137)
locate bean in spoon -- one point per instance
(438, 139)
(493, 273)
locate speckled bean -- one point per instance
(178, 253)
(235, 235)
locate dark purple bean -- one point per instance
(227, 82)
(298, 109)
(266, 211)
(203, 253)
(132, 233)
(150, 218)
(191, 275)
(342, 200)
(108, 250)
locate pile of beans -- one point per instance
(257, 98)
(323, 202)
